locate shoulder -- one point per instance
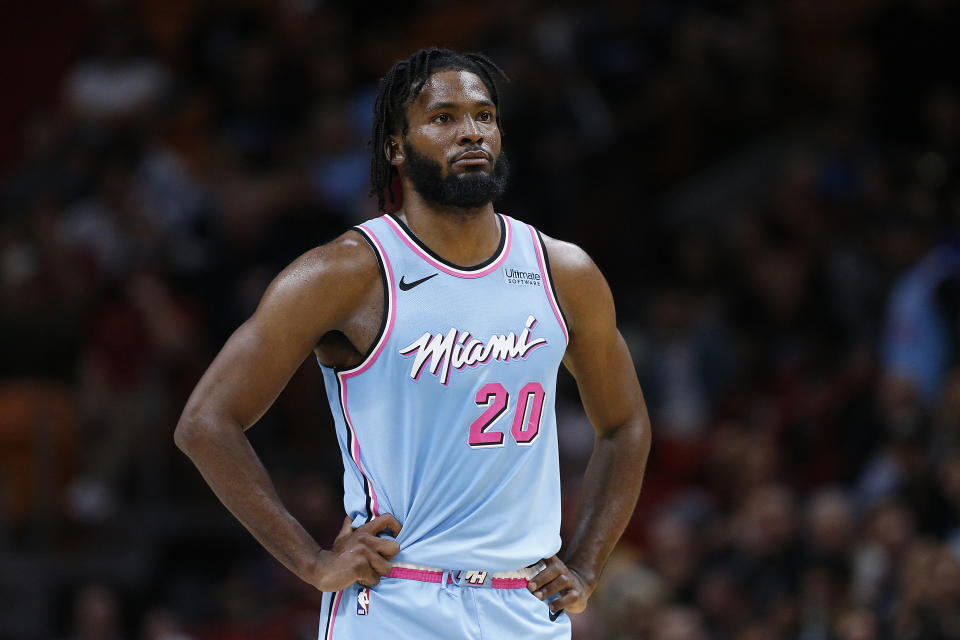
(582, 291)
(336, 274)
(346, 258)
(568, 262)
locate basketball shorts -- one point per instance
(453, 606)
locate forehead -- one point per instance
(458, 87)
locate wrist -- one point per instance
(314, 568)
(587, 576)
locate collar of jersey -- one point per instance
(475, 271)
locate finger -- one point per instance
(556, 585)
(377, 562)
(572, 601)
(553, 570)
(369, 578)
(386, 547)
(382, 522)
(345, 529)
(365, 571)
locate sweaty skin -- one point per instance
(330, 302)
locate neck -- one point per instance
(462, 236)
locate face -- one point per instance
(451, 152)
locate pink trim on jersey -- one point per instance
(548, 283)
(509, 583)
(420, 575)
(392, 311)
(460, 273)
(427, 575)
(355, 452)
(346, 375)
(333, 616)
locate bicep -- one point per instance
(601, 364)
(597, 354)
(301, 305)
(250, 371)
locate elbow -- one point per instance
(634, 435)
(641, 437)
(199, 430)
(190, 433)
(646, 438)
(184, 436)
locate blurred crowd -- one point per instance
(771, 189)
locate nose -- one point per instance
(470, 133)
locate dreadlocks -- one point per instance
(401, 86)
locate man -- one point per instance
(439, 329)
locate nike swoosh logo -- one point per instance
(555, 615)
(406, 286)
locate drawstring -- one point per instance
(451, 576)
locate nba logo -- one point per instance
(363, 601)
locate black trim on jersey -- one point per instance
(429, 252)
(326, 627)
(386, 301)
(546, 262)
(346, 423)
(373, 345)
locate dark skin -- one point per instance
(330, 302)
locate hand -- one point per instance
(358, 555)
(559, 578)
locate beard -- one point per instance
(469, 190)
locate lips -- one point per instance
(472, 158)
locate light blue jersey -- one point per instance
(449, 422)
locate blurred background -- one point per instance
(769, 186)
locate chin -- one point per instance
(475, 171)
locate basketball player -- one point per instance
(439, 329)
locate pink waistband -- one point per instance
(429, 575)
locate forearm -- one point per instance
(611, 486)
(225, 459)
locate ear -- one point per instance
(393, 149)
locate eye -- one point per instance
(485, 116)
(441, 118)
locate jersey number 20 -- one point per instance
(526, 419)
